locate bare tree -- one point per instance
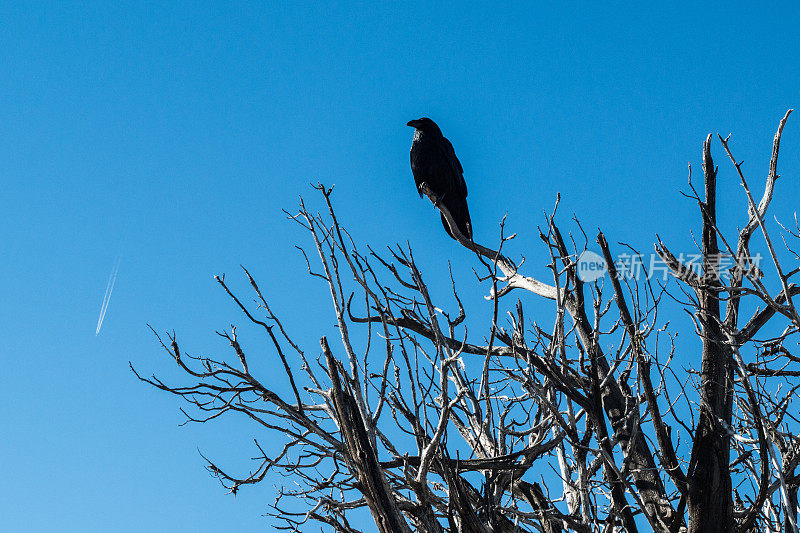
(578, 421)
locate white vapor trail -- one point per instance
(109, 289)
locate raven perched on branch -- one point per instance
(433, 161)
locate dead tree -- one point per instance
(580, 420)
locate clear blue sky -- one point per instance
(172, 136)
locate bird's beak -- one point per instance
(412, 123)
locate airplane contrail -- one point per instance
(109, 289)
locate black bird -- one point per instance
(434, 162)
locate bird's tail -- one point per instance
(460, 213)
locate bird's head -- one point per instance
(424, 124)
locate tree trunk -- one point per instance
(363, 461)
(709, 502)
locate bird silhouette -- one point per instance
(433, 161)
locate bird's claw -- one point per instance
(425, 189)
